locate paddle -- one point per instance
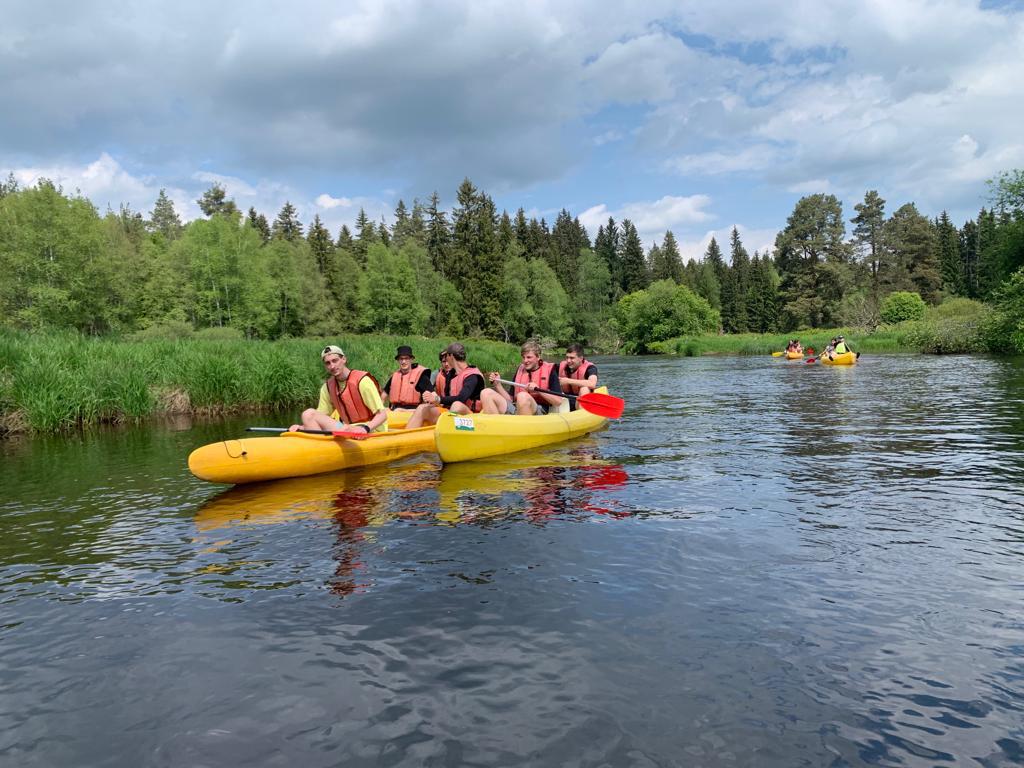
(599, 404)
(778, 354)
(334, 433)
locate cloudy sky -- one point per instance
(689, 116)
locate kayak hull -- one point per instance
(479, 435)
(846, 358)
(794, 355)
(295, 454)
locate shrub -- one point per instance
(902, 305)
(661, 312)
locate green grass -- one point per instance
(60, 381)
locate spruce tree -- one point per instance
(634, 267)
(438, 236)
(164, 219)
(911, 262)
(287, 225)
(320, 245)
(670, 254)
(366, 235)
(345, 240)
(259, 223)
(475, 262)
(969, 258)
(607, 247)
(567, 239)
(950, 264)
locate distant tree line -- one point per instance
(473, 271)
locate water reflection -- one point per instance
(570, 483)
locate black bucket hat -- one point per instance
(404, 350)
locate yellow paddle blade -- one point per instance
(778, 354)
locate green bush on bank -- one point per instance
(64, 380)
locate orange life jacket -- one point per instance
(402, 391)
(440, 384)
(541, 377)
(565, 373)
(460, 380)
(348, 403)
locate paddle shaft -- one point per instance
(538, 389)
(333, 433)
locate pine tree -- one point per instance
(867, 232)
(506, 233)
(813, 260)
(402, 231)
(215, 202)
(345, 240)
(607, 247)
(567, 239)
(366, 235)
(383, 233)
(739, 271)
(950, 264)
(259, 223)
(475, 260)
(989, 272)
(164, 219)
(969, 259)
(911, 260)
(320, 245)
(287, 225)
(439, 236)
(634, 267)
(10, 186)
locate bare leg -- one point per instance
(493, 402)
(525, 404)
(424, 414)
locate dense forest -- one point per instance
(473, 271)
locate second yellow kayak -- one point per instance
(846, 358)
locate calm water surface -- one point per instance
(763, 563)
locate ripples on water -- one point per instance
(763, 563)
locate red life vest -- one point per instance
(460, 380)
(349, 404)
(440, 384)
(402, 391)
(541, 377)
(565, 373)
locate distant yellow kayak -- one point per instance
(794, 355)
(479, 435)
(846, 358)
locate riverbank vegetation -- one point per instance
(476, 273)
(63, 380)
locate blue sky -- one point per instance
(693, 117)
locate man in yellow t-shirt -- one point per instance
(338, 409)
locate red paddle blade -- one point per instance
(350, 435)
(599, 404)
(810, 360)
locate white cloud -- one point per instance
(712, 163)
(327, 202)
(652, 218)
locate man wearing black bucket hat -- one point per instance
(405, 387)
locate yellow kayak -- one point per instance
(464, 438)
(794, 355)
(846, 358)
(295, 454)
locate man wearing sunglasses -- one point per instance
(349, 399)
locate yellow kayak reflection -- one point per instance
(534, 484)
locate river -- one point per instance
(762, 563)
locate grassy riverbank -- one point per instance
(60, 381)
(961, 327)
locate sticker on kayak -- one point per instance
(464, 423)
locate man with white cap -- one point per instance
(352, 396)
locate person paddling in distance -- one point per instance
(464, 383)
(576, 374)
(405, 387)
(352, 395)
(795, 346)
(534, 374)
